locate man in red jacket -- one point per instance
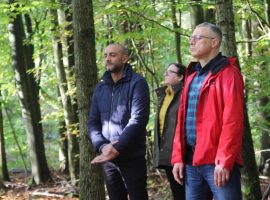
(208, 137)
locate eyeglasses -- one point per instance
(196, 38)
(168, 72)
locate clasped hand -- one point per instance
(108, 153)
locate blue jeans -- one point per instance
(125, 179)
(198, 177)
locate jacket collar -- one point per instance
(214, 65)
(127, 74)
(176, 88)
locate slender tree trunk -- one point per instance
(63, 147)
(265, 137)
(267, 10)
(29, 100)
(196, 13)
(91, 180)
(8, 115)
(246, 24)
(262, 103)
(176, 26)
(3, 161)
(65, 22)
(70, 115)
(209, 13)
(250, 180)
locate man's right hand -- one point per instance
(178, 173)
(108, 153)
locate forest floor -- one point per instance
(60, 188)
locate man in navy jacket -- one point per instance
(117, 126)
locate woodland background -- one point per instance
(51, 57)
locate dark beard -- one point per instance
(115, 69)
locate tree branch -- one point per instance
(153, 21)
(260, 18)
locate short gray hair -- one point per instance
(213, 28)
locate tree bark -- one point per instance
(176, 25)
(263, 100)
(71, 120)
(63, 147)
(197, 15)
(3, 160)
(91, 180)
(65, 22)
(27, 89)
(209, 13)
(264, 166)
(267, 10)
(250, 180)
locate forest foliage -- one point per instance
(146, 27)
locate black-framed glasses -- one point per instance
(167, 72)
(196, 38)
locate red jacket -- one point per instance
(219, 119)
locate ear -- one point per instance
(125, 58)
(215, 42)
(180, 78)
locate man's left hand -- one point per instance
(108, 153)
(221, 176)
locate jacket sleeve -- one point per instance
(177, 141)
(135, 130)
(94, 124)
(230, 140)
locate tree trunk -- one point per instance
(65, 22)
(91, 180)
(63, 147)
(196, 13)
(225, 20)
(246, 24)
(250, 180)
(267, 10)
(29, 99)
(263, 100)
(209, 13)
(69, 113)
(264, 166)
(3, 161)
(176, 26)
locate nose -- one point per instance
(107, 58)
(191, 41)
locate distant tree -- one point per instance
(28, 92)
(3, 161)
(66, 35)
(209, 12)
(197, 15)
(176, 21)
(91, 179)
(71, 118)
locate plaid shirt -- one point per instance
(192, 102)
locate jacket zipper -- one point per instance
(112, 96)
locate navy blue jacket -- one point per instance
(119, 112)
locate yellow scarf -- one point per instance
(164, 107)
